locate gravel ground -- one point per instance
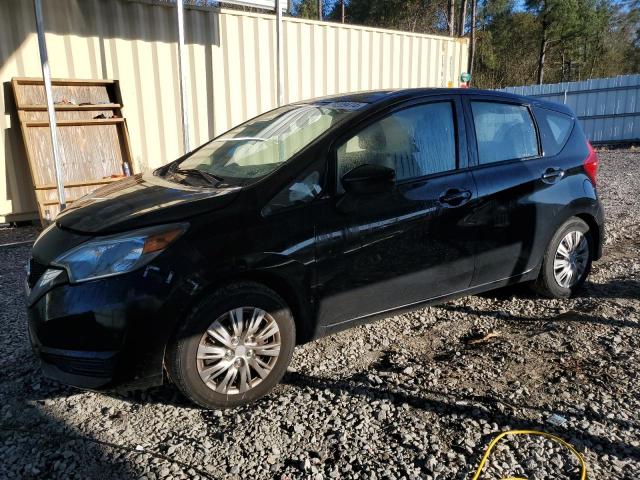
(414, 396)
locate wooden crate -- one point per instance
(94, 151)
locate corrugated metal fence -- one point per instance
(231, 67)
(608, 108)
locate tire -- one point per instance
(547, 284)
(194, 354)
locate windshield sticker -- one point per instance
(345, 105)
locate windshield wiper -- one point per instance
(209, 177)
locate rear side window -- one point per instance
(416, 141)
(503, 131)
(555, 128)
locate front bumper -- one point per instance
(90, 370)
(103, 334)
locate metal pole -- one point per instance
(279, 52)
(53, 126)
(183, 80)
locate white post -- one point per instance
(183, 81)
(53, 128)
(279, 52)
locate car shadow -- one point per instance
(617, 288)
(569, 316)
(30, 426)
(463, 406)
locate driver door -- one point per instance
(380, 251)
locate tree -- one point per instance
(425, 16)
(462, 18)
(451, 18)
(506, 48)
(472, 38)
(509, 42)
(307, 9)
(559, 22)
(549, 40)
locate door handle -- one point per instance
(552, 175)
(454, 197)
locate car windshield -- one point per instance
(256, 148)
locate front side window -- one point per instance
(259, 146)
(503, 131)
(415, 142)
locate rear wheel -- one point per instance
(234, 347)
(567, 261)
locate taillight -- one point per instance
(591, 164)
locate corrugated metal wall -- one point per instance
(608, 108)
(231, 68)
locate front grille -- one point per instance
(36, 270)
(99, 364)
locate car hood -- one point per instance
(140, 201)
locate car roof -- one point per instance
(376, 97)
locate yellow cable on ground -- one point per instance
(583, 474)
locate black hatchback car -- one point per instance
(306, 220)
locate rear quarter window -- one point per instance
(555, 129)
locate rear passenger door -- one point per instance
(516, 187)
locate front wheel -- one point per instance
(234, 347)
(567, 260)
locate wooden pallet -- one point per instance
(94, 151)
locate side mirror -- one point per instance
(368, 178)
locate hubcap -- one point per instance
(571, 259)
(238, 350)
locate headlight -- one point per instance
(116, 254)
